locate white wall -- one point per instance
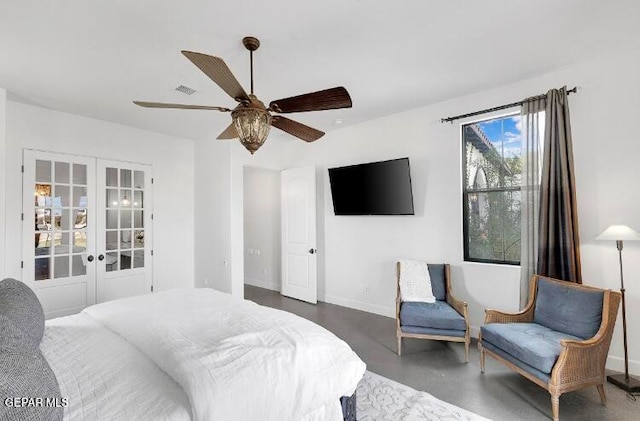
(3, 148)
(213, 214)
(262, 235)
(219, 168)
(361, 250)
(172, 160)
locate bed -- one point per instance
(196, 354)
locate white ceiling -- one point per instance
(93, 57)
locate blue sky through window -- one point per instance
(505, 133)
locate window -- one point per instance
(491, 191)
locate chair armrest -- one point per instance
(458, 305)
(581, 360)
(495, 316)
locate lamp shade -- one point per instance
(619, 233)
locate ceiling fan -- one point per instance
(251, 120)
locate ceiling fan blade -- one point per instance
(217, 70)
(299, 130)
(229, 133)
(329, 99)
(179, 106)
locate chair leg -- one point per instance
(481, 359)
(466, 351)
(603, 396)
(399, 345)
(555, 407)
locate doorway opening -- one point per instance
(262, 230)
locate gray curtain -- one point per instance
(533, 123)
(558, 237)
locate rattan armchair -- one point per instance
(580, 364)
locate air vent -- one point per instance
(185, 90)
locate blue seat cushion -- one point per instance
(438, 315)
(431, 331)
(526, 367)
(531, 343)
(567, 309)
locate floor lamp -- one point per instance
(621, 233)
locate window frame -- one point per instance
(466, 192)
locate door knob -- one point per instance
(101, 257)
(312, 251)
(90, 258)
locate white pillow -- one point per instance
(415, 282)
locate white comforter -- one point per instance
(106, 378)
(236, 360)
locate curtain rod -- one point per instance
(501, 107)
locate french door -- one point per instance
(86, 230)
(123, 230)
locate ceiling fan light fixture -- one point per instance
(251, 120)
(252, 125)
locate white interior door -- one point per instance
(59, 230)
(124, 234)
(299, 261)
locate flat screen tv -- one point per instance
(376, 188)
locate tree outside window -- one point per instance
(491, 193)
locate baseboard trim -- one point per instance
(617, 364)
(359, 305)
(262, 284)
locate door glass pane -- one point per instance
(62, 219)
(112, 240)
(43, 195)
(138, 179)
(79, 266)
(138, 259)
(61, 267)
(62, 196)
(112, 177)
(138, 220)
(125, 198)
(125, 178)
(112, 198)
(125, 260)
(79, 174)
(79, 241)
(61, 243)
(111, 262)
(112, 219)
(43, 243)
(125, 239)
(138, 236)
(138, 196)
(80, 197)
(79, 218)
(43, 171)
(62, 170)
(42, 269)
(43, 219)
(125, 219)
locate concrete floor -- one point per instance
(439, 369)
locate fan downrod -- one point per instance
(251, 43)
